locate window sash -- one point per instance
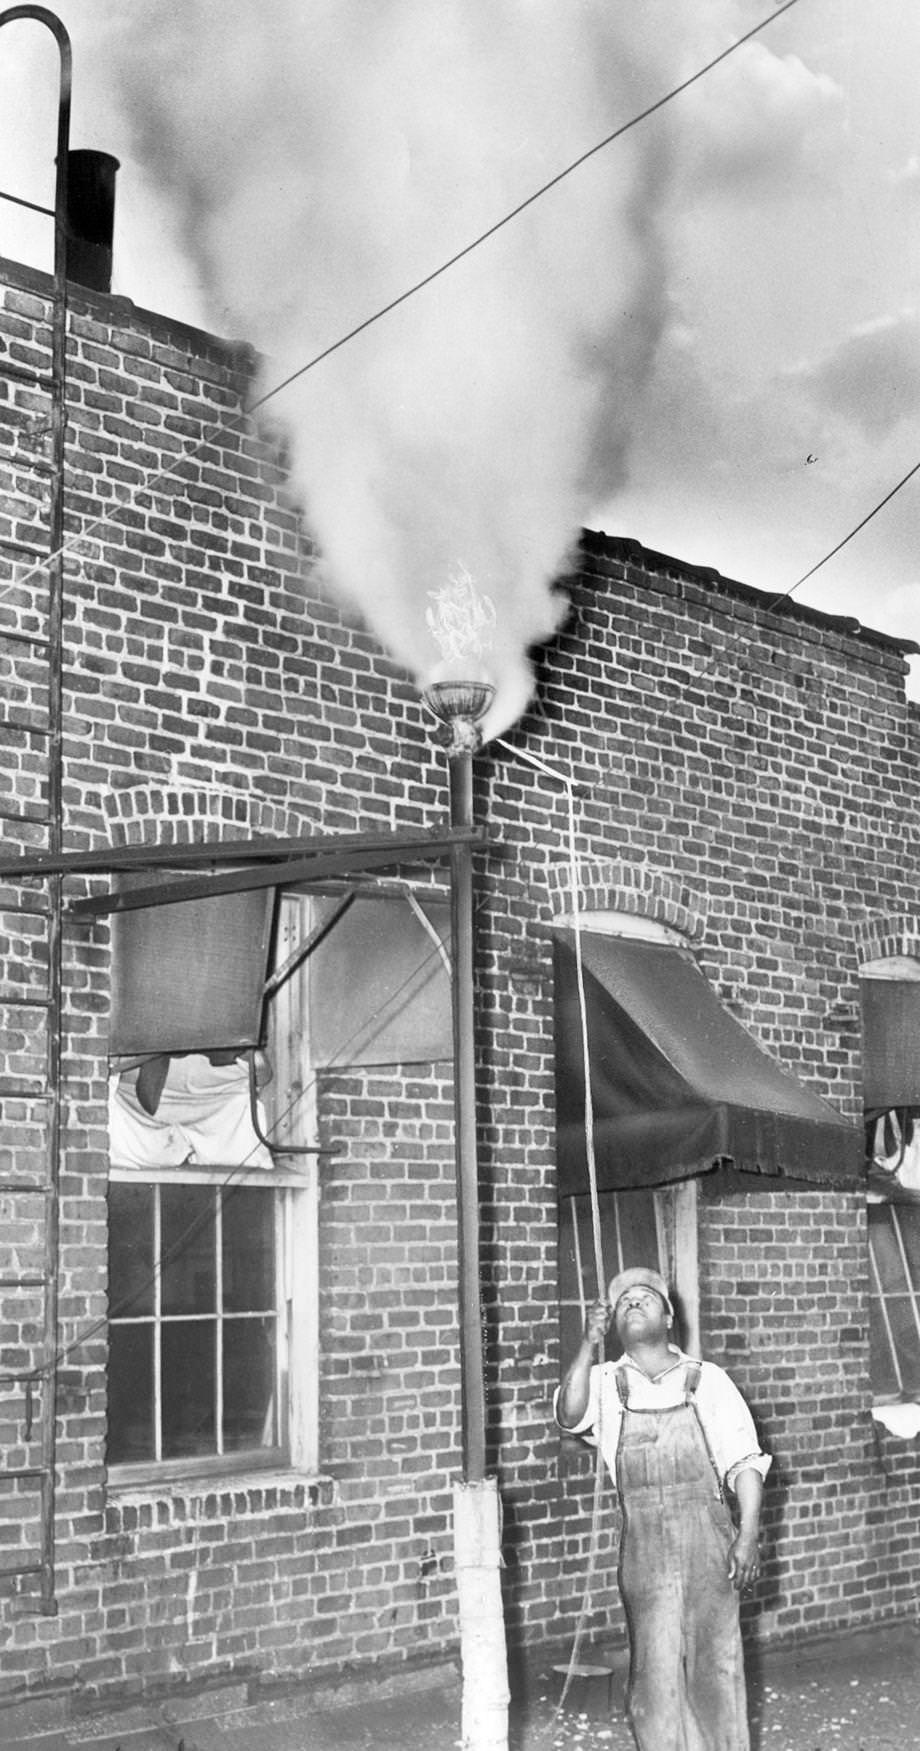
(286, 1189)
(894, 1300)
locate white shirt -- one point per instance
(727, 1422)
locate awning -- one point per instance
(891, 1043)
(678, 1086)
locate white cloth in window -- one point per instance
(896, 1149)
(203, 1118)
(902, 1420)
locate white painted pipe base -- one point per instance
(483, 1652)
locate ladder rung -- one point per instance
(26, 548)
(24, 1282)
(23, 1471)
(23, 724)
(34, 641)
(26, 464)
(26, 374)
(15, 999)
(25, 820)
(8, 1569)
(10, 1089)
(27, 1187)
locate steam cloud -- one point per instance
(325, 156)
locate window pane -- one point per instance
(131, 1394)
(250, 1410)
(907, 1342)
(189, 1378)
(638, 1229)
(188, 1256)
(131, 1268)
(248, 1251)
(885, 1382)
(894, 1332)
(885, 1250)
(908, 1216)
(629, 1236)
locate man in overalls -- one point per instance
(675, 1435)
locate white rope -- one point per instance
(573, 873)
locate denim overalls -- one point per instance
(686, 1680)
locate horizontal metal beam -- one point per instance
(280, 875)
(117, 859)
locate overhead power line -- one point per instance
(522, 206)
(156, 480)
(775, 606)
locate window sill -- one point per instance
(133, 1505)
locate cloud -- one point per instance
(871, 378)
(908, 173)
(761, 120)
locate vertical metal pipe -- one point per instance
(41, 15)
(473, 1407)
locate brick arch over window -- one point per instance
(886, 935)
(607, 885)
(149, 814)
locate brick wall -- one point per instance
(741, 773)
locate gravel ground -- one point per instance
(859, 1693)
(849, 1697)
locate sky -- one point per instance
(706, 338)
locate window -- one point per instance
(212, 1330)
(199, 1345)
(647, 1226)
(890, 1002)
(213, 1266)
(654, 1226)
(894, 1306)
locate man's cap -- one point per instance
(632, 1278)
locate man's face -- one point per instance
(640, 1316)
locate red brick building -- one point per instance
(256, 1375)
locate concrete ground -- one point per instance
(858, 1693)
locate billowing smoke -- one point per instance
(327, 155)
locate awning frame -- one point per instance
(679, 1087)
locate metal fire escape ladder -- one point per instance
(31, 978)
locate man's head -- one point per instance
(636, 1286)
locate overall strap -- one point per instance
(691, 1381)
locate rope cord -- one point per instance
(590, 1156)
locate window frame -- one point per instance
(893, 1203)
(294, 1192)
(892, 1197)
(290, 1100)
(675, 1209)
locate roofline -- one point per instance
(622, 547)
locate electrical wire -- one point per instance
(775, 606)
(155, 480)
(537, 195)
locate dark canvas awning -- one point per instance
(891, 1043)
(678, 1085)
